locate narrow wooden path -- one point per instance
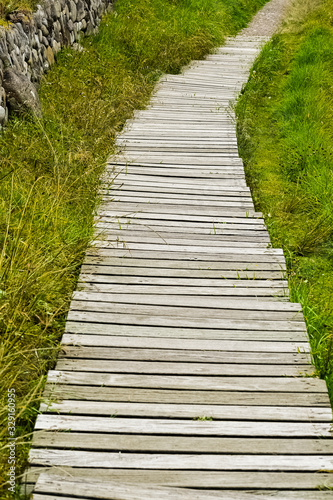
(185, 371)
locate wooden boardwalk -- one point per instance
(185, 371)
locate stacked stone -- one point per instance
(29, 44)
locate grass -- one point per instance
(50, 169)
(285, 129)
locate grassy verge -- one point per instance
(285, 129)
(49, 175)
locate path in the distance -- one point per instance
(184, 370)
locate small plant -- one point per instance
(203, 419)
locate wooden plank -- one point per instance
(255, 222)
(183, 158)
(184, 322)
(189, 268)
(92, 488)
(242, 258)
(112, 460)
(178, 355)
(97, 276)
(128, 494)
(198, 291)
(119, 197)
(183, 428)
(192, 368)
(179, 311)
(185, 344)
(195, 382)
(303, 399)
(200, 303)
(193, 411)
(203, 173)
(202, 479)
(130, 190)
(159, 244)
(158, 238)
(143, 234)
(214, 228)
(187, 333)
(182, 444)
(202, 269)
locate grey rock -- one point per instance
(70, 25)
(57, 32)
(89, 28)
(34, 55)
(15, 61)
(81, 10)
(44, 29)
(55, 47)
(55, 9)
(21, 93)
(2, 114)
(10, 40)
(73, 11)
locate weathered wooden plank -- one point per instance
(161, 208)
(93, 488)
(135, 268)
(171, 368)
(180, 192)
(194, 411)
(184, 301)
(182, 444)
(195, 382)
(229, 232)
(178, 311)
(204, 268)
(121, 197)
(97, 276)
(202, 479)
(250, 222)
(178, 355)
(143, 193)
(160, 245)
(210, 241)
(126, 493)
(241, 264)
(198, 291)
(183, 428)
(203, 173)
(188, 333)
(304, 399)
(185, 322)
(312, 463)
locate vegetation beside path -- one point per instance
(49, 174)
(285, 128)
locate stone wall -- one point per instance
(28, 46)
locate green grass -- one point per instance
(285, 129)
(50, 169)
